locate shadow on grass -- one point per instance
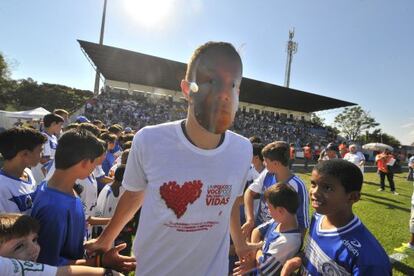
(372, 183)
(379, 197)
(371, 198)
(403, 268)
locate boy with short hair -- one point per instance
(338, 242)
(281, 235)
(18, 237)
(21, 148)
(19, 250)
(57, 207)
(109, 160)
(53, 125)
(52, 129)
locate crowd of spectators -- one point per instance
(138, 110)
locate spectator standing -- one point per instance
(385, 161)
(356, 157)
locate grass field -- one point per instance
(386, 215)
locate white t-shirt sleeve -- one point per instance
(257, 185)
(47, 151)
(134, 177)
(98, 171)
(13, 267)
(361, 155)
(100, 203)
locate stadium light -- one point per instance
(101, 37)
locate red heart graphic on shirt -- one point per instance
(178, 197)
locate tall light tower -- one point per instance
(292, 48)
(101, 37)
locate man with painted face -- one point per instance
(187, 175)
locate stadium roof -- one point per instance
(133, 67)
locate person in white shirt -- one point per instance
(187, 176)
(355, 157)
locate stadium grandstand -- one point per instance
(141, 89)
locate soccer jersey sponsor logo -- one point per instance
(218, 195)
(331, 269)
(352, 246)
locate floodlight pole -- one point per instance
(101, 37)
(292, 48)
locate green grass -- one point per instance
(386, 215)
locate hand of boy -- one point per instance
(245, 249)
(114, 260)
(290, 266)
(247, 228)
(244, 266)
(97, 245)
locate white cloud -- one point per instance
(408, 125)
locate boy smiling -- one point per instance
(338, 242)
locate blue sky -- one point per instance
(355, 50)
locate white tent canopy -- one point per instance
(8, 119)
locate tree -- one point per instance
(4, 69)
(353, 121)
(317, 120)
(379, 136)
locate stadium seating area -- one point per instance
(139, 110)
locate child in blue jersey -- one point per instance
(276, 159)
(281, 235)
(57, 206)
(109, 160)
(21, 148)
(338, 243)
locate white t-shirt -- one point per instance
(16, 195)
(189, 194)
(89, 194)
(355, 158)
(107, 202)
(50, 146)
(13, 267)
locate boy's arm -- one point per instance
(105, 179)
(98, 221)
(243, 249)
(128, 204)
(291, 265)
(111, 259)
(249, 212)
